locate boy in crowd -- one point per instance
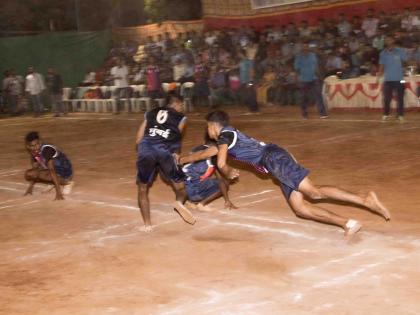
(49, 165)
(293, 178)
(158, 141)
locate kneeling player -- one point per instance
(202, 187)
(49, 165)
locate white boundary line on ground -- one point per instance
(254, 194)
(19, 204)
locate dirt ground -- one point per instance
(89, 254)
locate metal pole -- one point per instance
(77, 9)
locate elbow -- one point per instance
(221, 164)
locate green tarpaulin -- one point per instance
(70, 53)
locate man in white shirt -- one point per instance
(370, 24)
(34, 85)
(120, 75)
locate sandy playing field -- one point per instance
(89, 255)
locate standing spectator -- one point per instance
(119, 74)
(370, 24)
(153, 79)
(304, 30)
(408, 20)
(34, 85)
(391, 65)
(201, 76)
(12, 91)
(306, 64)
(55, 90)
(343, 27)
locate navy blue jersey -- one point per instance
(199, 170)
(163, 128)
(62, 164)
(242, 148)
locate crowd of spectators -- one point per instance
(246, 66)
(223, 63)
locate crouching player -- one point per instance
(204, 182)
(158, 140)
(293, 178)
(49, 165)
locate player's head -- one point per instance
(216, 120)
(32, 141)
(175, 101)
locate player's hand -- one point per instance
(233, 174)
(59, 196)
(229, 205)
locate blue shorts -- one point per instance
(63, 167)
(150, 158)
(198, 191)
(284, 168)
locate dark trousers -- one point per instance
(389, 88)
(249, 97)
(312, 90)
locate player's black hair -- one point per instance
(31, 136)
(218, 116)
(172, 96)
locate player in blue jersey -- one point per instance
(203, 181)
(293, 178)
(158, 141)
(49, 165)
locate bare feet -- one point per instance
(190, 205)
(68, 187)
(352, 227)
(201, 207)
(146, 228)
(373, 203)
(184, 212)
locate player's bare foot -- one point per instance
(201, 207)
(373, 203)
(190, 205)
(67, 188)
(352, 227)
(184, 212)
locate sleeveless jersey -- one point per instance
(243, 148)
(162, 128)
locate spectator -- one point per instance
(343, 27)
(90, 78)
(34, 85)
(306, 64)
(370, 24)
(153, 79)
(55, 90)
(266, 82)
(119, 74)
(391, 62)
(12, 91)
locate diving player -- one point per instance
(293, 178)
(49, 165)
(158, 141)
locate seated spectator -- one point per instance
(217, 86)
(334, 64)
(179, 70)
(90, 78)
(304, 30)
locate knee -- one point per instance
(315, 193)
(31, 175)
(302, 212)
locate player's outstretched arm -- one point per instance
(58, 194)
(228, 172)
(199, 155)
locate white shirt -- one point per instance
(34, 83)
(122, 74)
(370, 25)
